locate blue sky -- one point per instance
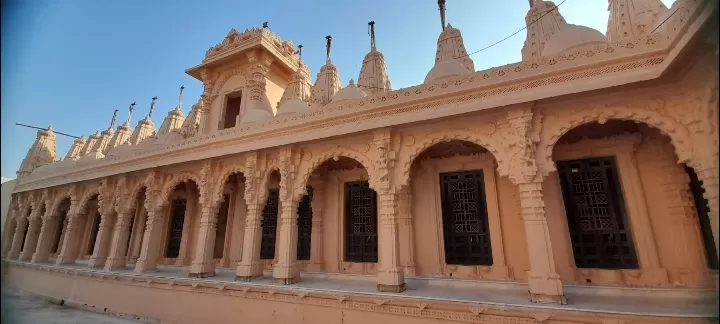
(70, 63)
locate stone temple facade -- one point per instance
(579, 185)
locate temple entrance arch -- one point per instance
(451, 200)
(623, 202)
(81, 231)
(227, 246)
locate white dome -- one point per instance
(293, 105)
(256, 115)
(570, 37)
(350, 92)
(446, 68)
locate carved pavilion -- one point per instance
(579, 185)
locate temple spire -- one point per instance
(372, 35)
(130, 111)
(441, 5)
(114, 117)
(300, 52)
(327, 46)
(152, 106)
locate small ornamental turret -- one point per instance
(328, 80)
(373, 74)
(297, 93)
(451, 58)
(632, 19)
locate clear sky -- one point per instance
(71, 63)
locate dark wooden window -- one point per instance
(304, 223)
(179, 206)
(701, 206)
(596, 214)
(465, 220)
(129, 237)
(361, 239)
(269, 225)
(93, 234)
(58, 233)
(221, 227)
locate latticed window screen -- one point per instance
(465, 220)
(269, 225)
(361, 244)
(596, 215)
(176, 228)
(304, 223)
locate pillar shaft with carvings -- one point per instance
(31, 238)
(48, 230)
(203, 265)
(118, 244)
(71, 238)
(316, 235)
(17, 240)
(104, 235)
(543, 281)
(9, 232)
(250, 265)
(407, 256)
(286, 269)
(149, 252)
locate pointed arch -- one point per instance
(176, 180)
(224, 174)
(556, 128)
(410, 153)
(316, 160)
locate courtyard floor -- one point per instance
(22, 308)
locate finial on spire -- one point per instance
(372, 34)
(182, 87)
(300, 52)
(130, 111)
(441, 5)
(112, 123)
(327, 46)
(152, 106)
(265, 25)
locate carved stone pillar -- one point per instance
(204, 265)
(138, 232)
(71, 239)
(230, 222)
(286, 269)
(102, 243)
(9, 232)
(250, 265)
(407, 243)
(47, 235)
(316, 235)
(31, 238)
(118, 244)
(149, 253)
(543, 281)
(17, 241)
(190, 212)
(391, 276)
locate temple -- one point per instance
(579, 185)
